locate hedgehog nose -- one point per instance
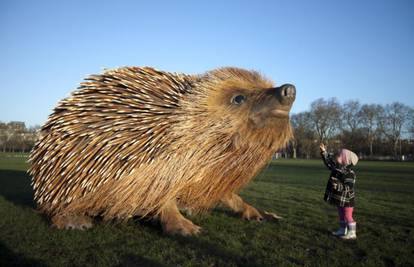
(286, 93)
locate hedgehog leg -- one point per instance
(72, 221)
(236, 204)
(173, 222)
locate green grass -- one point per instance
(292, 188)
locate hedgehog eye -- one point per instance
(238, 99)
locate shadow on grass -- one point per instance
(135, 260)
(200, 245)
(15, 187)
(214, 250)
(10, 258)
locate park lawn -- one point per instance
(292, 188)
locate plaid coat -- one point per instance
(340, 188)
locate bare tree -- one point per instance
(411, 123)
(15, 137)
(396, 118)
(16, 130)
(3, 136)
(304, 134)
(351, 122)
(31, 136)
(351, 115)
(325, 116)
(371, 116)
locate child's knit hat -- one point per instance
(348, 157)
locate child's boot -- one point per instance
(342, 229)
(351, 232)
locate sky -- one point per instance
(361, 50)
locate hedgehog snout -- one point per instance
(286, 94)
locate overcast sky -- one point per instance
(346, 49)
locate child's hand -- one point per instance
(335, 186)
(322, 147)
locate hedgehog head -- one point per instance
(245, 102)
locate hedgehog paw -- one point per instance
(182, 227)
(76, 222)
(251, 214)
(173, 222)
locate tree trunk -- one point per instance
(371, 151)
(396, 149)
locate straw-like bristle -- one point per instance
(131, 139)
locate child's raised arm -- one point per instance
(327, 159)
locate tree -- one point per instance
(325, 116)
(411, 123)
(15, 137)
(31, 137)
(15, 134)
(395, 119)
(3, 136)
(351, 121)
(351, 115)
(303, 142)
(371, 116)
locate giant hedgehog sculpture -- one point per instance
(141, 142)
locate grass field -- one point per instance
(292, 188)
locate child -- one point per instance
(340, 189)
